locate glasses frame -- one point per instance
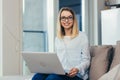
(69, 18)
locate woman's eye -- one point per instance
(63, 17)
(70, 17)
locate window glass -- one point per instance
(34, 29)
(34, 41)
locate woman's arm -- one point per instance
(85, 57)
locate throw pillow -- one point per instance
(99, 61)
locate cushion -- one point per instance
(113, 74)
(116, 58)
(99, 61)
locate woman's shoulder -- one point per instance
(57, 39)
(83, 36)
(81, 33)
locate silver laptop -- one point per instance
(43, 62)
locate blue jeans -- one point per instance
(39, 76)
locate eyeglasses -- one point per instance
(63, 18)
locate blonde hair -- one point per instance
(60, 29)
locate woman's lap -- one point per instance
(39, 76)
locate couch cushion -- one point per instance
(116, 58)
(113, 74)
(99, 61)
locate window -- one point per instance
(39, 24)
(34, 30)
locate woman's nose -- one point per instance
(66, 20)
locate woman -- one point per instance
(71, 47)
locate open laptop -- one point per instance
(43, 62)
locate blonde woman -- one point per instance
(71, 47)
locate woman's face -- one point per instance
(66, 19)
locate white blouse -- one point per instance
(74, 53)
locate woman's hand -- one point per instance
(73, 72)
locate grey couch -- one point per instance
(103, 59)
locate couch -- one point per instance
(105, 63)
(104, 58)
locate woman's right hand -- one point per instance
(73, 72)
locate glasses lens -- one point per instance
(70, 18)
(63, 18)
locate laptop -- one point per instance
(43, 62)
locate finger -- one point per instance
(72, 69)
(73, 73)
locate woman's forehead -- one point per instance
(66, 13)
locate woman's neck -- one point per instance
(68, 32)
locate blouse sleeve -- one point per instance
(85, 54)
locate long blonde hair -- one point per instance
(60, 29)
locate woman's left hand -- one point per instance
(73, 72)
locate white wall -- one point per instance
(85, 15)
(99, 8)
(114, 1)
(95, 20)
(11, 37)
(110, 26)
(87, 19)
(0, 37)
(94, 29)
(118, 1)
(52, 12)
(94, 24)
